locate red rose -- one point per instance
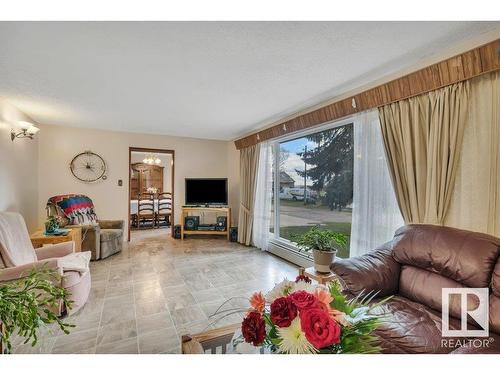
(283, 311)
(320, 329)
(303, 300)
(253, 328)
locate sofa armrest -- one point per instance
(14, 273)
(111, 224)
(376, 271)
(55, 251)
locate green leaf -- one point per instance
(321, 239)
(27, 305)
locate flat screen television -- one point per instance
(206, 191)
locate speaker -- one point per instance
(177, 232)
(191, 222)
(221, 223)
(233, 234)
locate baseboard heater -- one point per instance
(293, 256)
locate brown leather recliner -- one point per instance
(413, 268)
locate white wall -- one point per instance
(18, 168)
(193, 158)
(166, 163)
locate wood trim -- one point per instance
(198, 343)
(481, 60)
(159, 151)
(185, 211)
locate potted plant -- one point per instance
(51, 224)
(28, 304)
(324, 244)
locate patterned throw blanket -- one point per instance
(78, 208)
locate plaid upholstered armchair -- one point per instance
(101, 237)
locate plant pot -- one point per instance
(323, 259)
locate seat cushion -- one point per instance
(410, 328)
(110, 234)
(491, 346)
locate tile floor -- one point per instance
(157, 289)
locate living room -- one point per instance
(250, 188)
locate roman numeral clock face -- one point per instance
(88, 167)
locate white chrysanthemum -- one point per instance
(302, 285)
(279, 290)
(293, 340)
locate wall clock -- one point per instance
(88, 167)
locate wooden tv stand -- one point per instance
(224, 211)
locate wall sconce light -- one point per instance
(28, 130)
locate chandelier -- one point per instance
(151, 159)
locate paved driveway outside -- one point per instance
(291, 216)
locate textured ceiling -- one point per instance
(216, 80)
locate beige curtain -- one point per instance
(475, 204)
(249, 159)
(422, 139)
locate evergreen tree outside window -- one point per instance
(315, 183)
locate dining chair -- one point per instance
(164, 209)
(145, 209)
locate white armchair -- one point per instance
(18, 258)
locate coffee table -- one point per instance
(38, 239)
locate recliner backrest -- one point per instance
(435, 257)
(15, 245)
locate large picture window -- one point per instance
(313, 183)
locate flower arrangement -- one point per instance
(302, 318)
